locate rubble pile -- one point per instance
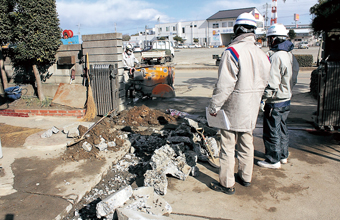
(156, 152)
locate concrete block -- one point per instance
(101, 37)
(110, 58)
(69, 47)
(97, 51)
(116, 200)
(128, 214)
(100, 44)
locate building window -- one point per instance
(230, 24)
(224, 24)
(195, 25)
(160, 29)
(183, 30)
(174, 28)
(215, 25)
(167, 28)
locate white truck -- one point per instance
(161, 51)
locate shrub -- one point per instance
(304, 60)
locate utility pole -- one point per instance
(115, 27)
(78, 32)
(266, 16)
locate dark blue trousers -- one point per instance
(275, 131)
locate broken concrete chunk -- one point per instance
(87, 146)
(109, 204)
(166, 160)
(111, 144)
(47, 134)
(157, 180)
(102, 145)
(50, 132)
(192, 123)
(144, 199)
(128, 214)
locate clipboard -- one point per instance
(220, 121)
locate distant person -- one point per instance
(129, 61)
(242, 77)
(283, 76)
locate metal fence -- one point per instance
(328, 114)
(105, 88)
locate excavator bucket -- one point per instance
(163, 91)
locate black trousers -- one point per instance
(275, 132)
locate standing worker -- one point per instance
(129, 61)
(276, 99)
(242, 77)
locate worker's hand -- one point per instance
(213, 114)
(262, 106)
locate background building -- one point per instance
(217, 30)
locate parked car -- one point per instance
(198, 45)
(192, 46)
(303, 45)
(137, 49)
(181, 46)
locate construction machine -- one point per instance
(153, 81)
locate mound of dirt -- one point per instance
(110, 130)
(143, 116)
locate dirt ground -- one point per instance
(26, 102)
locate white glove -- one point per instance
(262, 106)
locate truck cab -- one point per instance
(164, 45)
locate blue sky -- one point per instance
(131, 16)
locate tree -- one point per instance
(178, 39)
(126, 37)
(36, 35)
(326, 15)
(291, 34)
(196, 40)
(6, 7)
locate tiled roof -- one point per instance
(233, 13)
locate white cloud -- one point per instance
(103, 14)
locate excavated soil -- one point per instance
(129, 120)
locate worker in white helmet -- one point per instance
(276, 99)
(129, 62)
(242, 77)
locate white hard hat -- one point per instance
(129, 47)
(246, 19)
(277, 30)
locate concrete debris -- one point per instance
(102, 145)
(108, 205)
(168, 160)
(156, 152)
(192, 123)
(128, 214)
(144, 199)
(87, 146)
(50, 132)
(156, 180)
(111, 144)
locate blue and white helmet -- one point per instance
(246, 19)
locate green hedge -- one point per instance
(304, 60)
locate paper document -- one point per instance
(220, 121)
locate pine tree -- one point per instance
(36, 35)
(6, 7)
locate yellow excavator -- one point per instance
(153, 81)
